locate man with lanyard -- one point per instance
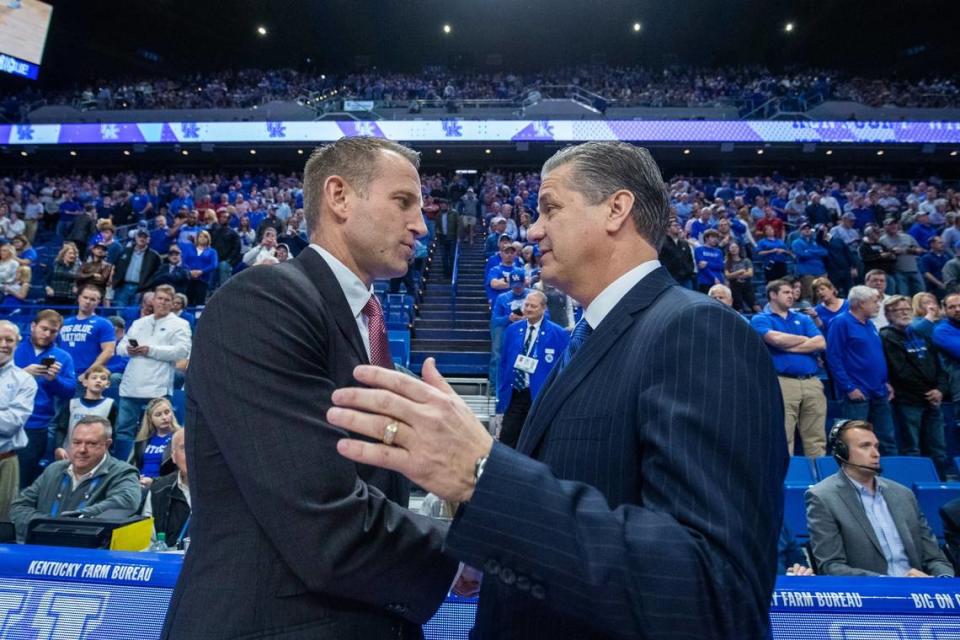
(794, 342)
(531, 348)
(89, 484)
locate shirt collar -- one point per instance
(356, 292)
(8, 366)
(78, 479)
(604, 303)
(861, 488)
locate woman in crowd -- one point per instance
(830, 304)
(926, 313)
(201, 260)
(265, 252)
(96, 270)
(61, 284)
(8, 264)
(738, 270)
(531, 265)
(16, 293)
(151, 453)
(248, 236)
(524, 226)
(26, 255)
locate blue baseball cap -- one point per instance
(516, 278)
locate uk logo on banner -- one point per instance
(452, 128)
(537, 130)
(24, 132)
(276, 130)
(190, 130)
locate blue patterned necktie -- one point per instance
(580, 334)
(520, 379)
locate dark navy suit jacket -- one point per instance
(645, 498)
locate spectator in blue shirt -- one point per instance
(497, 276)
(507, 308)
(497, 226)
(88, 338)
(160, 237)
(709, 259)
(858, 367)
(774, 254)
(830, 303)
(921, 229)
(52, 368)
(931, 267)
(701, 224)
(810, 257)
(201, 261)
(946, 338)
(794, 343)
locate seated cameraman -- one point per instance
(86, 485)
(169, 502)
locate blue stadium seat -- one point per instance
(795, 511)
(800, 471)
(826, 466)
(933, 495)
(908, 470)
(400, 347)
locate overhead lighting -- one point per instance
(23, 153)
(73, 153)
(126, 152)
(253, 152)
(953, 153)
(759, 152)
(447, 29)
(184, 152)
(299, 152)
(829, 152)
(262, 30)
(489, 151)
(636, 27)
(439, 151)
(880, 152)
(686, 152)
(789, 27)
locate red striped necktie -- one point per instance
(379, 345)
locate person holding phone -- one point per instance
(53, 370)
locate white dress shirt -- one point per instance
(18, 390)
(356, 292)
(604, 303)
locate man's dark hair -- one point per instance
(774, 286)
(600, 169)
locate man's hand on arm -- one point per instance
(439, 441)
(784, 341)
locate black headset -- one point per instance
(841, 452)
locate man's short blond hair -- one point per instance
(353, 159)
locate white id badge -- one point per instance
(525, 364)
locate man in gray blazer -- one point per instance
(863, 525)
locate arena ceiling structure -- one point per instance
(875, 37)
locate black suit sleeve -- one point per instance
(261, 383)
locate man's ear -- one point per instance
(336, 193)
(620, 207)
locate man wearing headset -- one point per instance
(864, 525)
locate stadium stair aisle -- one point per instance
(458, 336)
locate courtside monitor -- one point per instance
(23, 34)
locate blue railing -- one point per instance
(453, 281)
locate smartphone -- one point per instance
(133, 343)
(48, 361)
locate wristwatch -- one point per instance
(478, 469)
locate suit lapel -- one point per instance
(849, 495)
(320, 274)
(901, 517)
(559, 386)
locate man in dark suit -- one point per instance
(531, 348)
(288, 539)
(645, 495)
(863, 525)
(448, 230)
(135, 270)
